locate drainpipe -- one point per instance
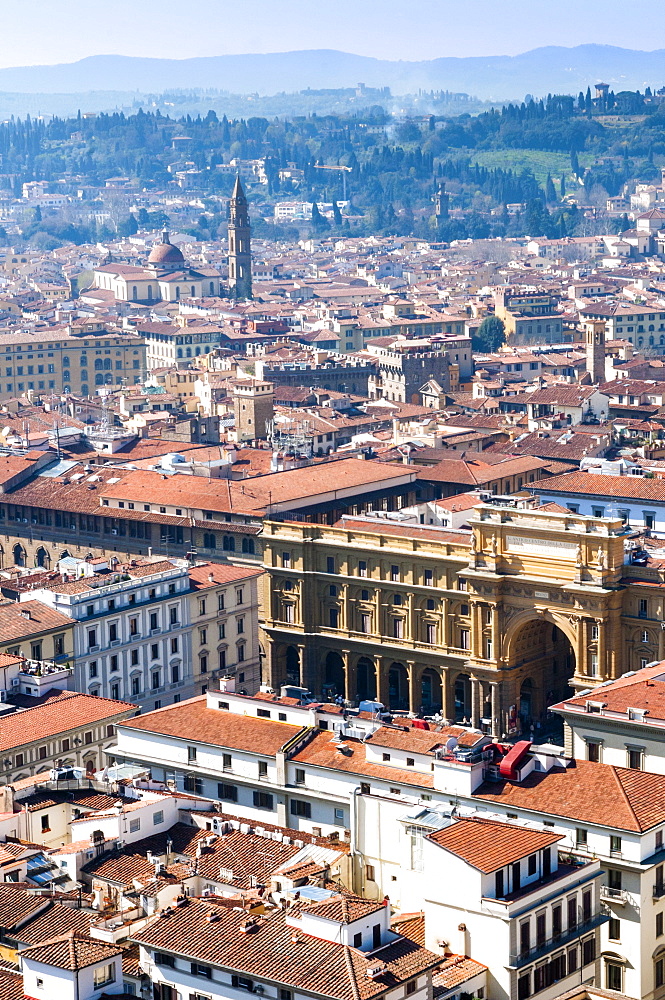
(353, 822)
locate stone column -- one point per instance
(475, 702)
(381, 673)
(415, 690)
(447, 696)
(497, 727)
(350, 678)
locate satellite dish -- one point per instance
(451, 744)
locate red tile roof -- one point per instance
(70, 712)
(71, 951)
(489, 845)
(608, 796)
(17, 621)
(591, 484)
(193, 720)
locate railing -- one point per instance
(614, 894)
(523, 957)
(658, 890)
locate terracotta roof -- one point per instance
(73, 711)
(422, 740)
(644, 690)
(488, 845)
(59, 919)
(71, 951)
(477, 472)
(193, 720)
(17, 621)
(11, 985)
(278, 952)
(322, 752)
(17, 905)
(591, 484)
(344, 909)
(455, 971)
(221, 573)
(614, 797)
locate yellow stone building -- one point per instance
(492, 625)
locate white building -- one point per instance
(273, 759)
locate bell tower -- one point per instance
(594, 331)
(240, 254)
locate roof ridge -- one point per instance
(352, 972)
(624, 794)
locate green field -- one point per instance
(540, 162)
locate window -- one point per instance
(299, 808)
(614, 976)
(333, 617)
(104, 975)
(42, 753)
(532, 864)
(398, 628)
(358, 940)
(300, 776)
(262, 800)
(134, 825)
(46, 826)
(201, 970)
(92, 668)
(263, 769)
(175, 674)
(394, 574)
(593, 751)
(615, 845)
(635, 758)
(464, 638)
(581, 837)
(412, 983)
(191, 755)
(659, 924)
(242, 983)
(220, 602)
(366, 623)
(174, 644)
(362, 568)
(286, 560)
(136, 685)
(339, 817)
(192, 784)
(134, 657)
(227, 793)
(524, 986)
(330, 564)
(643, 609)
(429, 578)
(226, 762)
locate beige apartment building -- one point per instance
(78, 359)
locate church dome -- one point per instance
(166, 253)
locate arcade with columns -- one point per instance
(490, 625)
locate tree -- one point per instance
(337, 215)
(550, 193)
(563, 187)
(490, 335)
(574, 163)
(318, 220)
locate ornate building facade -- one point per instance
(492, 626)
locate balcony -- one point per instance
(613, 895)
(659, 890)
(522, 958)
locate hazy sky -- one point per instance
(53, 31)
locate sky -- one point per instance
(55, 31)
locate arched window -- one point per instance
(197, 351)
(248, 546)
(99, 380)
(229, 543)
(85, 390)
(66, 375)
(177, 291)
(42, 558)
(189, 352)
(212, 287)
(180, 352)
(18, 553)
(107, 364)
(65, 362)
(209, 540)
(99, 364)
(193, 290)
(149, 291)
(135, 293)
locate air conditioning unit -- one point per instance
(114, 531)
(3, 696)
(16, 682)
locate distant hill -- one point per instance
(540, 71)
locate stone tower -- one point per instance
(441, 203)
(253, 409)
(240, 254)
(595, 350)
